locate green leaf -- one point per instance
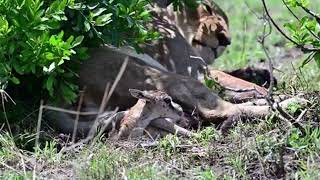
(77, 6)
(98, 11)
(49, 84)
(83, 53)
(87, 26)
(92, 6)
(42, 27)
(60, 62)
(49, 55)
(103, 20)
(60, 35)
(305, 3)
(70, 39)
(15, 80)
(77, 41)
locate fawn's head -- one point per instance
(160, 101)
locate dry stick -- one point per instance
(70, 111)
(76, 121)
(101, 109)
(23, 164)
(4, 96)
(104, 99)
(301, 115)
(39, 123)
(2, 127)
(9, 167)
(34, 176)
(116, 81)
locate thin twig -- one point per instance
(75, 127)
(301, 115)
(116, 81)
(23, 164)
(9, 167)
(2, 127)
(104, 99)
(70, 111)
(4, 96)
(39, 123)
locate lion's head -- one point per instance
(204, 27)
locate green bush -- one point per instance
(41, 42)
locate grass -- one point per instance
(266, 149)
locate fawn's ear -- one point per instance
(138, 94)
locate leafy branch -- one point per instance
(304, 32)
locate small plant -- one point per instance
(213, 84)
(205, 136)
(208, 175)
(103, 164)
(239, 165)
(306, 144)
(7, 147)
(169, 144)
(294, 107)
(48, 153)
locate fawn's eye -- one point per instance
(167, 100)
